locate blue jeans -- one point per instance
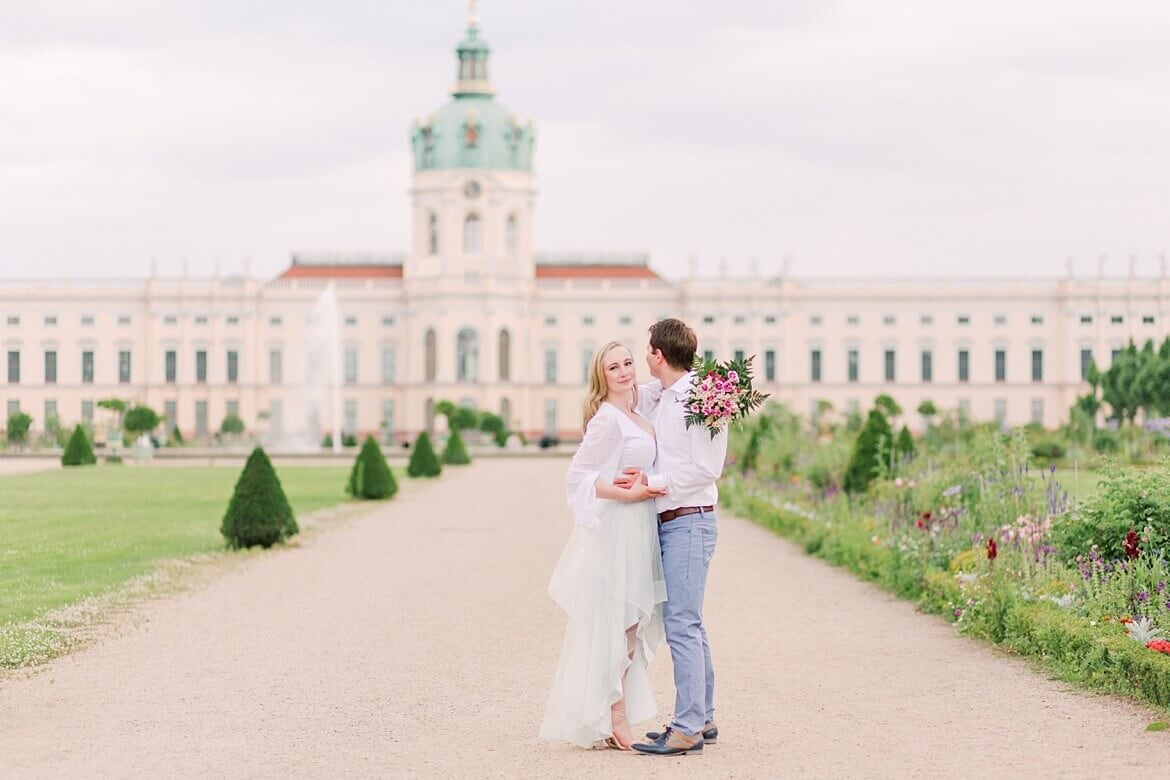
(688, 543)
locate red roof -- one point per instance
(342, 272)
(594, 272)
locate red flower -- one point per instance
(1130, 545)
(992, 551)
(920, 523)
(1160, 645)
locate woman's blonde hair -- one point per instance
(598, 388)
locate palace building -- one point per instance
(475, 315)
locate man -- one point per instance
(689, 463)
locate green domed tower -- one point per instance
(473, 187)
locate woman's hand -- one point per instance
(640, 491)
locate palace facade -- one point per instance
(475, 315)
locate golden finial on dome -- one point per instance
(472, 19)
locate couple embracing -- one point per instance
(642, 492)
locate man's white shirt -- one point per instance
(689, 460)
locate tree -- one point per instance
(232, 425)
(905, 443)
(927, 408)
(18, 426)
(177, 437)
(423, 461)
(78, 452)
(496, 426)
(140, 419)
(259, 512)
(371, 476)
(455, 454)
(888, 405)
(870, 453)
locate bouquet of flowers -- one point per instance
(722, 393)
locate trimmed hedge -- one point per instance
(259, 512)
(371, 476)
(1099, 656)
(78, 452)
(423, 461)
(455, 454)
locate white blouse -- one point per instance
(612, 442)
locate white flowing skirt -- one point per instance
(608, 579)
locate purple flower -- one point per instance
(953, 490)
(1143, 596)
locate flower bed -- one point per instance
(972, 533)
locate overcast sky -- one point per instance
(859, 138)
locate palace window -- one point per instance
(1000, 365)
(550, 320)
(124, 319)
(350, 361)
(232, 320)
(1116, 319)
(201, 319)
(388, 420)
(586, 359)
(739, 320)
(233, 366)
(430, 362)
(814, 365)
(200, 418)
(890, 365)
(1000, 410)
(852, 366)
(1037, 365)
(770, 320)
(433, 235)
(626, 320)
(472, 235)
(926, 319)
(351, 320)
(708, 320)
(927, 365)
(814, 320)
(739, 354)
(87, 367)
(505, 356)
(170, 319)
(13, 367)
(170, 366)
(852, 319)
(51, 367)
(201, 366)
(1001, 319)
(964, 319)
(50, 319)
(1086, 361)
(389, 365)
(964, 366)
(467, 356)
(275, 366)
(511, 242)
(587, 321)
(275, 320)
(87, 320)
(889, 319)
(1038, 411)
(770, 365)
(1147, 319)
(1086, 319)
(550, 366)
(1037, 319)
(124, 366)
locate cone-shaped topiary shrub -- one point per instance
(371, 476)
(455, 454)
(78, 451)
(259, 512)
(870, 453)
(423, 461)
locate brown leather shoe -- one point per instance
(710, 733)
(672, 743)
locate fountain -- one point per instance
(320, 394)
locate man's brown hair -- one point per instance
(676, 341)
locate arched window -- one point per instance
(433, 235)
(506, 411)
(472, 237)
(510, 236)
(467, 356)
(429, 352)
(505, 356)
(429, 416)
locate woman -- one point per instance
(609, 578)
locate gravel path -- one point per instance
(418, 639)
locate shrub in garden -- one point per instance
(905, 443)
(371, 476)
(232, 425)
(78, 452)
(259, 512)
(140, 419)
(423, 461)
(496, 426)
(176, 437)
(1126, 500)
(348, 440)
(18, 425)
(870, 453)
(455, 453)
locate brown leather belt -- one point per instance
(682, 511)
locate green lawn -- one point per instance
(1080, 483)
(67, 535)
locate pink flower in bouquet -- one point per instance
(733, 376)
